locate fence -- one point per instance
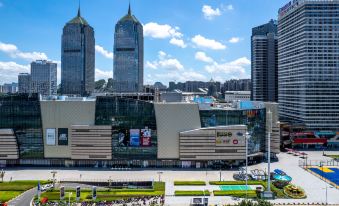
(304, 163)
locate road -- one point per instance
(24, 199)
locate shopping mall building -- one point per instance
(110, 131)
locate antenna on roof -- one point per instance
(79, 9)
(129, 8)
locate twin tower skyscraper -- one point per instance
(78, 56)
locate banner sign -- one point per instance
(146, 135)
(63, 136)
(62, 193)
(134, 137)
(50, 136)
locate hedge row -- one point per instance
(192, 193)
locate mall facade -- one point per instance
(110, 131)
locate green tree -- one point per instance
(100, 84)
(109, 83)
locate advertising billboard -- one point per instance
(146, 135)
(62, 193)
(63, 136)
(134, 137)
(78, 193)
(50, 136)
(230, 138)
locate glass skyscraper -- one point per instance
(264, 54)
(77, 58)
(308, 68)
(128, 71)
(44, 77)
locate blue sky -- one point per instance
(184, 39)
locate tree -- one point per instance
(100, 84)
(109, 83)
(2, 175)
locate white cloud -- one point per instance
(103, 52)
(165, 61)
(9, 71)
(203, 42)
(201, 56)
(178, 42)
(101, 74)
(164, 31)
(209, 12)
(234, 40)
(14, 52)
(235, 69)
(161, 31)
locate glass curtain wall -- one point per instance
(133, 125)
(21, 112)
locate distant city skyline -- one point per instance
(177, 46)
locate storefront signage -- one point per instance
(230, 138)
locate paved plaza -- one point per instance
(314, 187)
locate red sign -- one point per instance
(146, 137)
(310, 141)
(235, 141)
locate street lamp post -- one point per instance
(246, 145)
(69, 198)
(269, 113)
(53, 175)
(160, 173)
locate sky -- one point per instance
(183, 39)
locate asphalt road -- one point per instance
(24, 199)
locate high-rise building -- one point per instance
(128, 71)
(309, 63)
(77, 57)
(24, 83)
(264, 54)
(44, 77)
(237, 85)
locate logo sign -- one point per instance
(62, 193)
(78, 193)
(290, 5)
(94, 193)
(230, 138)
(50, 136)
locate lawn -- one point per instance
(8, 195)
(108, 195)
(189, 183)
(333, 156)
(20, 185)
(10, 190)
(192, 193)
(236, 193)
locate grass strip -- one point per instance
(192, 193)
(236, 193)
(189, 183)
